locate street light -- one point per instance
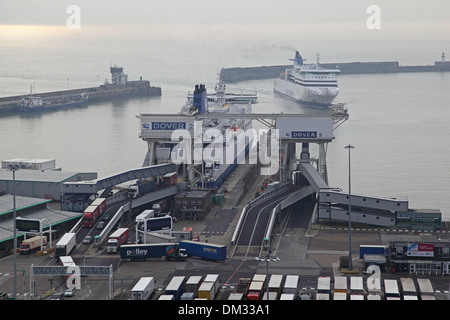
(350, 266)
(267, 258)
(14, 168)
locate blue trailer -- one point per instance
(204, 250)
(140, 252)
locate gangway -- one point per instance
(313, 176)
(379, 203)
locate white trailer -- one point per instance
(340, 284)
(408, 288)
(65, 245)
(291, 285)
(275, 283)
(143, 289)
(426, 289)
(391, 291)
(356, 285)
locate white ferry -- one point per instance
(308, 83)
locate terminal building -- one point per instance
(31, 208)
(424, 258)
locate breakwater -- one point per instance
(267, 72)
(105, 92)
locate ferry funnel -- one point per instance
(200, 100)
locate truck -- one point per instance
(256, 290)
(176, 286)
(29, 245)
(140, 187)
(169, 179)
(143, 289)
(193, 284)
(408, 288)
(116, 239)
(101, 203)
(207, 251)
(426, 289)
(275, 284)
(90, 216)
(391, 291)
(140, 252)
(323, 288)
(160, 206)
(65, 245)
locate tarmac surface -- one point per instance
(299, 247)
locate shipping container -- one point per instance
(143, 289)
(176, 286)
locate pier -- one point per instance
(266, 72)
(119, 88)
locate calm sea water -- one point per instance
(399, 123)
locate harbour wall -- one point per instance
(267, 72)
(105, 92)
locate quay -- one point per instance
(266, 72)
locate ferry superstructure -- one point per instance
(222, 94)
(209, 169)
(308, 83)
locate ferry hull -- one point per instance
(320, 96)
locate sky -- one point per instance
(103, 12)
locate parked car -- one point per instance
(87, 240)
(100, 225)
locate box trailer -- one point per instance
(275, 284)
(65, 245)
(215, 280)
(340, 284)
(256, 290)
(143, 289)
(236, 296)
(101, 203)
(426, 289)
(193, 284)
(391, 291)
(32, 244)
(291, 285)
(140, 252)
(408, 288)
(176, 287)
(207, 251)
(207, 291)
(356, 285)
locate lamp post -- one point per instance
(267, 258)
(350, 266)
(14, 168)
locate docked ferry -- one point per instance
(308, 83)
(37, 103)
(211, 173)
